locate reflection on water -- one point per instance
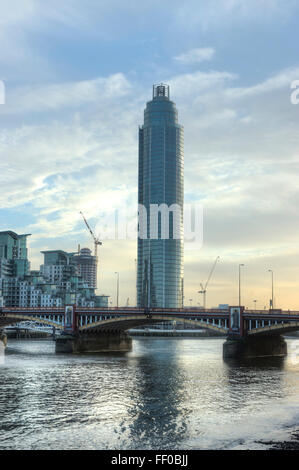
(168, 393)
(2, 352)
(158, 414)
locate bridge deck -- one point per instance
(85, 319)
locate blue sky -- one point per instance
(77, 78)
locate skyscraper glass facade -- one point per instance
(160, 181)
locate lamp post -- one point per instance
(272, 300)
(255, 301)
(240, 283)
(203, 291)
(136, 280)
(117, 289)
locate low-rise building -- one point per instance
(64, 278)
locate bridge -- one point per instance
(248, 332)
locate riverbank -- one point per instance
(293, 444)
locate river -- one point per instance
(168, 393)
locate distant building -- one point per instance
(74, 277)
(87, 267)
(61, 279)
(13, 254)
(10, 291)
(58, 266)
(14, 264)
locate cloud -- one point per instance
(277, 82)
(66, 95)
(218, 14)
(195, 56)
(72, 147)
(69, 130)
(198, 83)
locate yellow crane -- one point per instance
(95, 239)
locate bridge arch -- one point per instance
(275, 329)
(129, 322)
(12, 319)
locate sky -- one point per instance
(77, 76)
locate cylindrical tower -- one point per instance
(87, 267)
(161, 194)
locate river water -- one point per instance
(168, 393)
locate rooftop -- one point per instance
(14, 234)
(161, 91)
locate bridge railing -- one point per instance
(131, 310)
(156, 310)
(32, 309)
(271, 312)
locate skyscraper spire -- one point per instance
(161, 90)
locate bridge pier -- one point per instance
(93, 343)
(254, 346)
(3, 338)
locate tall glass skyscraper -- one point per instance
(160, 186)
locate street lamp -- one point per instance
(255, 301)
(190, 300)
(136, 281)
(203, 291)
(272, 300)
(240, 283)
(117, 289)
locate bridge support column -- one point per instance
(94, 343)
(254, 346)
(3, 338)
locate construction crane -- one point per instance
(96, 240)
(204, 288)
